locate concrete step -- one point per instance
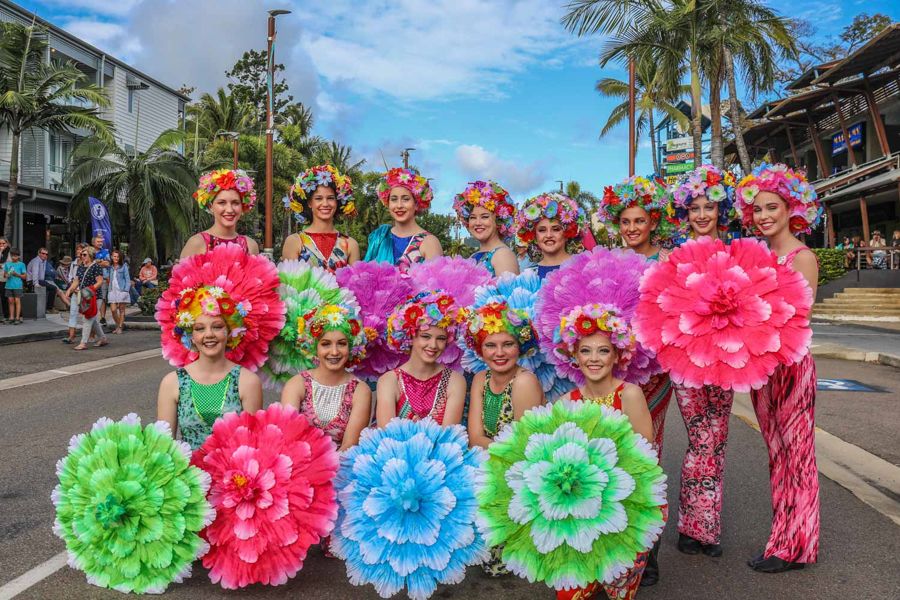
(819, 309)
(873, 302)
(864, 291)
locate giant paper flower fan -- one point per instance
(303, 288)
(457, 276)
(573, 494)
(378, 288)
(610, 277)
(519, 292)
(272, 489)
(724, 315)
(130, 507)
(407, 508)
(226, 282)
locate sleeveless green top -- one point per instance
(497, 409)
(199, 405)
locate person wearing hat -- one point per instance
(148, 277)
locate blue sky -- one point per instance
(481, 88)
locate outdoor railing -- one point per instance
(866, 257)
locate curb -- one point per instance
(57, 334)
(880, 358)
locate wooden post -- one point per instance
(880, 132)
(817, 144)
(830, 241)
(632, 142)
(790, 137)
(851, 156)
(864, 211)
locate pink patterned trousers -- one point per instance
(705, 412)
(785, 409)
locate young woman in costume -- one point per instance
(329, 395)
(422, 387)
(703, 202)
(226, 194)
(550, 225)
(404, 243)
(780, 203)
(487, 212)
(317, 197)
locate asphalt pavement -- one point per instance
(860, 548)
(872, 338)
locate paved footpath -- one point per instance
(860, 546)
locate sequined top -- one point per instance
(212, 241)
(199, 405)
(497, 409)
(328, 406)
(612, 399)
(422, 398)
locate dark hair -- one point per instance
(14, 252)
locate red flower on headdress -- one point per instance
(187, 298)
(226, 306)
(226, 181)
(527, 236)
(585, 325)
(444, 303)
(316, 329)
(354, 327)
(413, 314)
(571, 231)
(713, 178)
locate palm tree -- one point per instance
(150, 190)
(652, 94)
(338, 156)
(35, 94)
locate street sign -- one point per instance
(679, 144)
(844, 385)
(675, 168)
(671, 179)
(677, 157)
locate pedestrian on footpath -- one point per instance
(4, 256)
(119, 284)
(88, 280)
(780, 203)
(15, 284)
(101, 255)
(73, 294)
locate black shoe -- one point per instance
(651, 571)
(756, 559)
(103, 321)
(688, 545)
(713, 550)
(773, 564)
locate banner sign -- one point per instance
(677, 168)
(100, 222)
(671, 179)
(678, 157)
(838, 144)
(679, 144)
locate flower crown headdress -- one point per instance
(333, 317)
(307, 182)
(492, 197)
(589, 319)
(499, 317)
(792, 186)
(552, 205)
(213, 182)
(708, 181)
(416, 184)
(434, 308)
(641, 192)
(212, 301)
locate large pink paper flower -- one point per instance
(724, 315)
(272, 488)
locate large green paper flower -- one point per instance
(130, 507)
(573, 494)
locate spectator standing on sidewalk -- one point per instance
(74, 298)
(4, 256)
(895, 252)
(88, 280)
(101, 255)
(119, 284)
(38, 275)
(15, 284)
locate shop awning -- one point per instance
(871, 185)
(881, 51)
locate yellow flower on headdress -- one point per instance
(492, 324)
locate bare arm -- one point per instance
(504, 261)
(354, 251)
(475, 426)
(250, 391)
(456, 400)
(386, 399)
(527, 393)
(431, 247)
(360, 415)
(194, 245)
(294, 392)
(252, 246)
(291, 248)
(167, 401)
(805, 263)
(635, 407)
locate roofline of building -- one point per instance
(28, 15)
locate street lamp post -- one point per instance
(270, 126)
(234, 145)
(405, 156)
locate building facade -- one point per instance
(141, 108)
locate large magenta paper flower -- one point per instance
(272, 486)
(724, 315)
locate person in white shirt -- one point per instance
(37, 275)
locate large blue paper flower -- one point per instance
(519, 292)
(407, 508)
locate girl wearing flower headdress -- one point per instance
(317, 197)
(404, 243)
(329, 395)
(487, 212)
(226, 194)
(639, 211)
(550, 225)
(422, 387)
(703, 202)
(780, 203)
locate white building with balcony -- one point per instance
(141, 108)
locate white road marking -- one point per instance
(32, 577)
(86, 367)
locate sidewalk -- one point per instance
(55, 326)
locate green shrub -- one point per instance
(831, 264)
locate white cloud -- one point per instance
(99, 7)
(112, 38)
(477, 163)
(432, 49)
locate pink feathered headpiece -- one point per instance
(242, 288)
(601, 276)
(791, 186)
(724, 315)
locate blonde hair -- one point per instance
(90, 250)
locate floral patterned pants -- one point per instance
(785, 409)
(705, 412)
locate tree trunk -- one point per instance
(13, 192)
(716, 147)
(735, 113)
(653, 142)
(696, 107)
